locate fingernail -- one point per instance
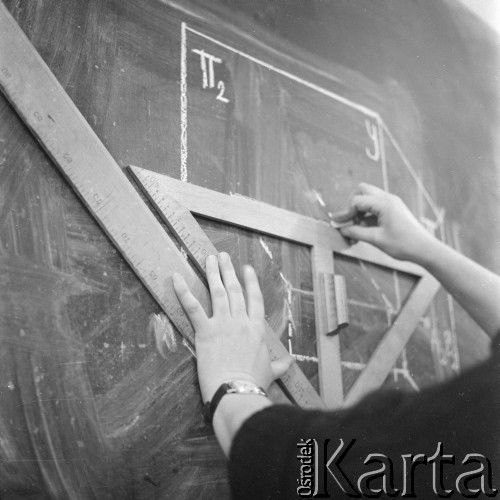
(211, 259)
(339, 214)
(177, 278)
(224, 257)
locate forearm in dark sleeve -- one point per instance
(263, 460)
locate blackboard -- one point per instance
(314, 98)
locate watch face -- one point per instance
(245, 387)
(242, 385)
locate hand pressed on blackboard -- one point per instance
(230, 345)
(397, 231)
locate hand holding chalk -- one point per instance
(382, 219)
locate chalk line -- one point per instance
(290, 76)
(184, 152)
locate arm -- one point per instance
(399, 234)
(230, 345)
(475, 288)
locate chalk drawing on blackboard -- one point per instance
(372, 132)
(310, 133)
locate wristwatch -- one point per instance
(229, 387)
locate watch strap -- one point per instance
(231, 387)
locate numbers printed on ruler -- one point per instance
(38, 118)
(6, 73)
(208, 73)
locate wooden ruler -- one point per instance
(63, 132)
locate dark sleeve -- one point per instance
(263, 451)
(463, 415)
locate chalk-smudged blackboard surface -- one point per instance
(291, 103)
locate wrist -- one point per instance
(228, 388)
(429, 253)
(236, 407)
(208, 389)
(234, 410)
(242, 405)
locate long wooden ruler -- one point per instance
(63, 132)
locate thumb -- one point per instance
(345, 215)
(280, 366)
(360, 233)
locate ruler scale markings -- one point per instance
(89, 168)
